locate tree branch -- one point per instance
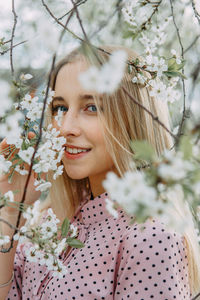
(184, 115)
(80, 2)
(196, 12)
(12, 37)
(155, 118)
(5, 51)
(192, 44)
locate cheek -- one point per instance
(54, 124)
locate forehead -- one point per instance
(72, 70)
(68, 77)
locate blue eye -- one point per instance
(59, 107)
(92, 108)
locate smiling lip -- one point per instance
(77, 147)
(75, 156)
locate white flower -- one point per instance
(42, 167)
(35, 112)
(58, 172)
(108, 77)
(178, 59)
(46, 259)
(10, 128)
(156, 65)
(33, 214)
(110, 208)
(21, 171)
(90, 78)
(52, 216)
(60, 247)
(9, 196)
(46, 154)
(31, 254)
(74, 230)
(139, 79)
(132, 192)
(4, 239)
(25, 77)
(20, 234)
(60, 270)
(135, 13)
(158, 89)
(42, 185)
(28, 102)
(26, 155)
(59, 117)
(176, 168)
(4, 164)
(58, 143)
(48, 229)
(50, 96)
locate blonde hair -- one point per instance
(124, 121)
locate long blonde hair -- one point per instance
(124, 121)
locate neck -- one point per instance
(96, 185)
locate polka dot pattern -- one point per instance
(119, 261)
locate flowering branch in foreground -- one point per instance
(47, 240)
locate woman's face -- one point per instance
(80, 126)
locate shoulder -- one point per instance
(153, 238)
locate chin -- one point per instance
(75, 175)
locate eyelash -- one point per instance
(57, 107)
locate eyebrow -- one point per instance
(81, 97)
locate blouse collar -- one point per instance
(92, 211)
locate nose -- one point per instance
(70, 125)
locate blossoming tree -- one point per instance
(166, 35)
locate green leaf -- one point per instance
(143, 150)
(186, 146)
(174, 74)
(173, 66)
(180, 66)
(75, 243)
(65, 227)
(24, 146)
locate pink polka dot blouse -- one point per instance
(119, 261)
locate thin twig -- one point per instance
(84, 33)
(143, 26)
(192, 44)
(71, 10)
(105, 22)
(155, 118)
(9, 224)
(6, 42)
(60, 23)
(5, 51)
(12, 37)
(196, 12)
(184, 115)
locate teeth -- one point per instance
(75, 150)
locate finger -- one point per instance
(5, 148)
(31, 135)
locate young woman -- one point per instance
(119, 260)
